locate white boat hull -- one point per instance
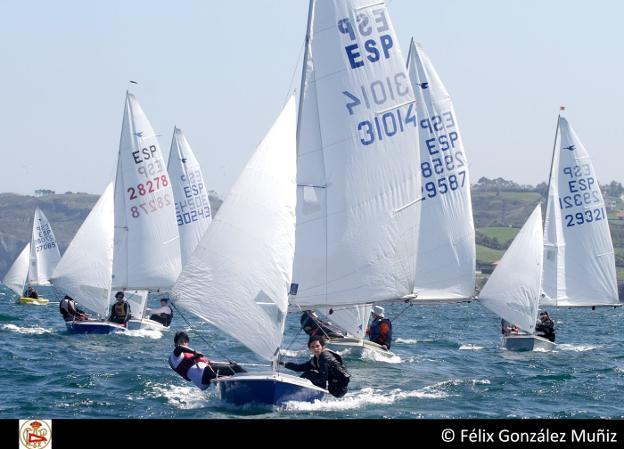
(527, 343)
(267, 389)
(146, 324)
(359, 347)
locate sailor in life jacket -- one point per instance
(325, 369)
(163, 314)
(70, 310)
(313, 325)
(120, 311)
(195, 366)
(380, 329)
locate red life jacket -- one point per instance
(186, 363)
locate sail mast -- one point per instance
(552, 160)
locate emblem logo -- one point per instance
(35, 434)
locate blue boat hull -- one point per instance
(93, 327)
(274, 389)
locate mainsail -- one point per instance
(579, 262)
(445, 263)
(189, 191)
(44, 251)
(357, 160)
(242, 267)
(147, 248)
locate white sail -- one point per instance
(15, 278)
(239, 275)
(147, 248)
(445, 263)
(357, 160)
(579, 262)
(44, 251)
(353, 320)
(513, 290)
(189, 191)
(137, 299)
(84, 272)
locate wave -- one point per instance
(144, 333)
(577, 348)
(181, 397)
(470, 347)
(26, 330)
(362, 398)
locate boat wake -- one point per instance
(365, 397)
(577, 348)
(181, 397)
(144, 333)
(26, 330)
(470, 347)
(377, 356)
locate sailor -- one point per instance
(31, 293)
(313, 325)
(120, 311)
(70, 310)
(195, 366)
(380, 329)
(163, 314)
(545, 327)
(325, 369)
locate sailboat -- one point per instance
(36, 262)
(446, 258)
(84, 272)
(579, 261)
(243, 268)
(146, 254)
(358, 181)
(190, 194)
(513, 290)
(354, 321)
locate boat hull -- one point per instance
(93, 327)
(146, 324)
(527, 343)
(267, 389)
(34, 301)
(359, 347)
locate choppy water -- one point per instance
(451, 366)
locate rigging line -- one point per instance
(410, 304)
(291, 87)
(201, 337)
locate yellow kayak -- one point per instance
(37, 301)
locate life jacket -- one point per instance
(120, 310)
(189, 360)
(337, 377)
(64, 309)
(381, 332)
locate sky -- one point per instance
(221, 71)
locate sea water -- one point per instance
(449, 364)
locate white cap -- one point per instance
(378, 310)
